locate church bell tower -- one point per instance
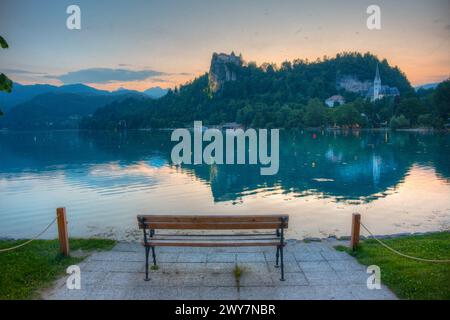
(377, 85)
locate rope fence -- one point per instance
(29, 241)
(356, 222)
(402, 254)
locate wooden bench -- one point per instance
(151, 223)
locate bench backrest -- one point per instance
(213, 222)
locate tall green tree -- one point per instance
(5, 83)
(315, 113)
(442, 100)
(347, 115)
(411, 108)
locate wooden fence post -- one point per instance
(62, 231)
(356, 220)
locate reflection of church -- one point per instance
(378, 91)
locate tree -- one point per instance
(399, 122)
(442, 100)
(315, 114)
(411, 108)
(426, 120)
(5, 83)
(347, 115)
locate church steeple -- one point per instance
(377, 75)
(377, 85)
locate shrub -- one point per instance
(399, 122)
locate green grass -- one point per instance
(24, 271)
(237, 272)
(410, 279)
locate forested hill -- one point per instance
(266, 95)
(58, 110)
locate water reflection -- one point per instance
(346, 168)
(342, 165)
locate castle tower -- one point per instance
(377, 85)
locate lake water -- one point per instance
(399, 182)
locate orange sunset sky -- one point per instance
(142, 44)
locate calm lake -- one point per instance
(399, 182)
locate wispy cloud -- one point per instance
(105, 75)
(21, 71)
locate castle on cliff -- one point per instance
(223, 68)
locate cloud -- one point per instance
(185, 74)
(105, 75)
(20, 71)
(162, 80)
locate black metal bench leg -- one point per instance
(277, 257)
(154, 256)
(282, 264)
(147, 251)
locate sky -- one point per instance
(137, 44)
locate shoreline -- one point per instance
(304, 240)
(421, 130)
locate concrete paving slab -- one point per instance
(312, 271)
(308, 256)
(321, 278)
(221, 257)
(322, 266)
(353, 277)
(291, 279)
(251, 257)
(343, 265)
(363, 293)
(271, 256)
(288, 267)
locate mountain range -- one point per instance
(43, 106)
(427, 86)
(23, 93)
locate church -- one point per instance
(378, 91)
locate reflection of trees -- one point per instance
(434, 150)
(343, 165)
(41, 150)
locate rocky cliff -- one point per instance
(353, 84)
(223, 68)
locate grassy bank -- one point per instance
(35, 266)
(410, 279)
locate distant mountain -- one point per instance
(156, 92)
(60, 110)
(22, 93)
(427, 86)
(80, 89)
(127, 91)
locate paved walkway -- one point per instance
(313, 271)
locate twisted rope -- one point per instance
(28, 241)
(402, 254)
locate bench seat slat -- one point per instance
(221, 235)
(211, 219)
(207, 239)
(213, 225)
(211, 244)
